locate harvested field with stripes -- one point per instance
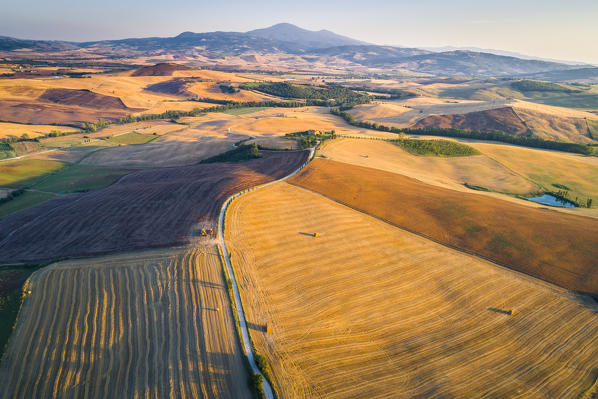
(146, 209)
(366, 310)
(150, 324)
(557, 247)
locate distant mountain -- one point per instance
(370, 55)
(305, 47)
(11, 44)
(506, 53)
(583, 75)
(211, 43)
(306, 38)
(469, 63)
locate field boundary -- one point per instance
(587, 299)
(244, 332)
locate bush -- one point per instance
(262, 363)
(257, 382)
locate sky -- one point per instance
(566, 30)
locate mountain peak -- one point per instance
(314, 39)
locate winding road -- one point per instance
(240, 312)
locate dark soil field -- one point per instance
(556, 247)
(175, 87)
(82, 98)
(38, 112)
(149, 208)
(503, 119)
(160, 70)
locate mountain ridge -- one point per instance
(321, 46)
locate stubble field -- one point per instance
(554, 246)
(150, 324)
(366, 310)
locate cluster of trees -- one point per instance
(442, 148)
(13, 194)
(536, 85)
(393, 94)
(6, 151)
(241, 153)
(25, 137)
(92, 127)
(318, 95)
(230, 89)
(12, 139)
(56, 133)
(563, 195)
(309, 138)
(493, 135)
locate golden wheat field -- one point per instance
(141, 325)
(366, 310)
(18, 129)
(478, 170)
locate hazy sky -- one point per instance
(562, 29)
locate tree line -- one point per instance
(493, 135)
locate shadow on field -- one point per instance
(257, 327)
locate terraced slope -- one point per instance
(554, 246)
(370, 311)
(146, 209)
(153, 324)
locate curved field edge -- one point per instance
(368, 310)
(153, 323)
(479, 170)
(557, 247)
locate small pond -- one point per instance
(549, 199)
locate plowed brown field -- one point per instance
(151, 324)
(367, 310)
(150, 208)
(559, 248)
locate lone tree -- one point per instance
(255, 151)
